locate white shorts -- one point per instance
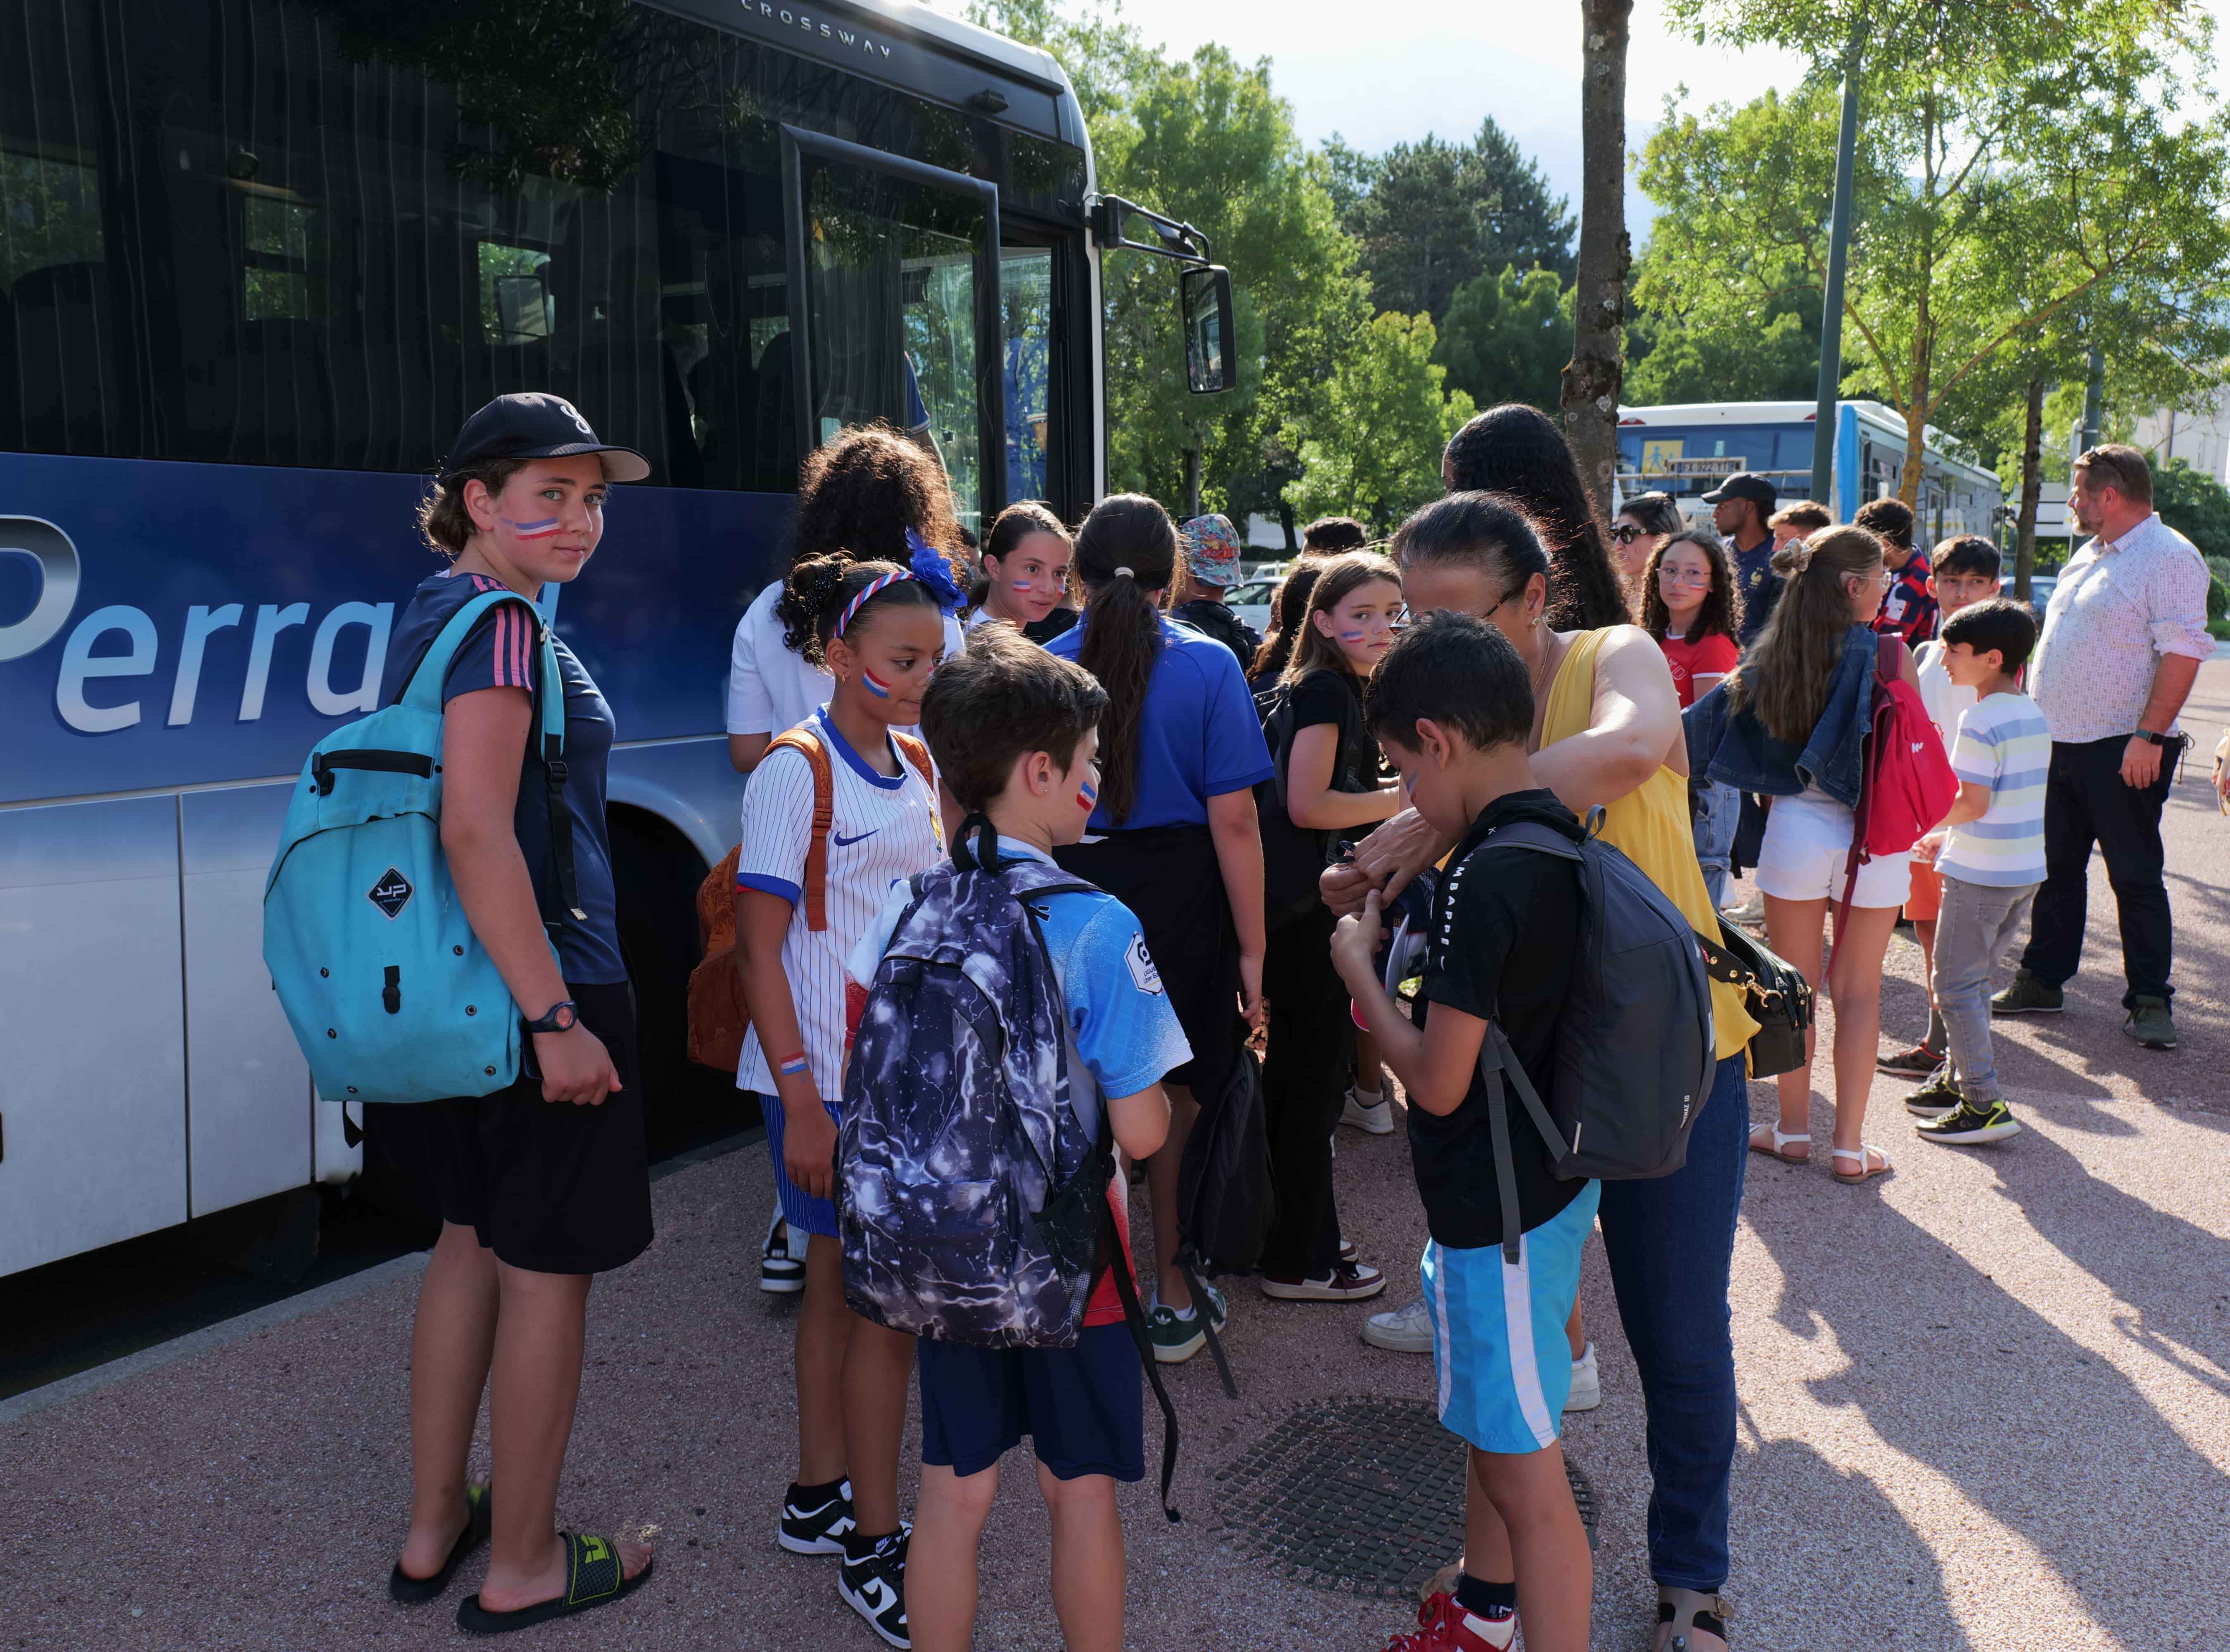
(1807, 844)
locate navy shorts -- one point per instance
(1080, 1406)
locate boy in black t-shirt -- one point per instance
(1453, 706)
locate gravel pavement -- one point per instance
(1985, 1401)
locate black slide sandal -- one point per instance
(593, 1578)
(417, 1591)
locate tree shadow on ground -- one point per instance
(2043, 1436)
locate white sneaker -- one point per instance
(1406, 1329)
(1750, 915)
(1373, 1118)
(781, 1258)
(1586, 1385)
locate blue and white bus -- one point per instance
(253, 276)
(1685, 448)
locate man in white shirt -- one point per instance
(2122, 639)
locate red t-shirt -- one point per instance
(1713, 656)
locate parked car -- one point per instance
(1250, 600)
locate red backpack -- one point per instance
(1909, 785)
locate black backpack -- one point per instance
(1226, 1201)
(1634, 1048)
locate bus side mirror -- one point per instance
(1210, 366)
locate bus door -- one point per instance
(894, 308)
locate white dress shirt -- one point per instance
(2120, 605)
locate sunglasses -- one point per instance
(1626, 533)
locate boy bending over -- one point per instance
(1015, 731)
(1452, 707)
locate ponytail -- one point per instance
(1126, 551)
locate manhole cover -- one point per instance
(1364, 1497)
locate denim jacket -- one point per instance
(1737, 749)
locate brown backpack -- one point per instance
(717, 1014)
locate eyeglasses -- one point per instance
(1699, 576)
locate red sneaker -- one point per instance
(1446, 1626)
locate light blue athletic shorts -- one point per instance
(1499, 1330)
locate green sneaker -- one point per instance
(2029, 996)
(1178, 1337)
(1939, 1096)
(2151, 1024)
(1970, 1125)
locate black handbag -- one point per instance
(1775, 992)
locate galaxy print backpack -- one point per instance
(971, 1201)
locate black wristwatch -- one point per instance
(564, 1015)
(2147, 734)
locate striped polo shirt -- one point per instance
(884, 830)
(2002, 744)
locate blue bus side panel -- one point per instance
(220, 615)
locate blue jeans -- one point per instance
(1670, 1244)
(1715, 834)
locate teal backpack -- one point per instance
(390, 993)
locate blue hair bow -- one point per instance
(928, 565)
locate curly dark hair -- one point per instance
(857, 494)
(1723, 606)
(1516, 451)
(814, 596)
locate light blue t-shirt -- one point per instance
(1119, 1017)
(2003, 744)
(1198, 735)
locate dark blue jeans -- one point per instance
(1670, 1244)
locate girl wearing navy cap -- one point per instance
(1174, 836)
(547, 1184)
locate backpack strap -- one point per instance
(824, 814)
(422, 687)
(1496, 1058)
(1134, 1315)
(917, 754)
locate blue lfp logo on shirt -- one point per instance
(1143, 975)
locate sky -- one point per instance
(1381, 74)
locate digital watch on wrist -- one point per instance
(564, 1015)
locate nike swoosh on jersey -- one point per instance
(843, 842)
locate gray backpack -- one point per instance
(1635, 1052)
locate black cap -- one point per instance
(530, 424)
(1744, 484)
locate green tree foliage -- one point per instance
(1433, 214)
(2016, 164)
(1507, 336)
(2195, 504)
(1370, 443)
(1207, 141)
(1770, 353)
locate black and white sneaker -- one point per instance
(873, 1583)
(781, 1258)
(815, 1531)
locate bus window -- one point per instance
(1025, 328)
(893, 267)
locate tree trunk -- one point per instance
(1192, 483)
(1285, 521)
(1597, 372)
(2032, 486)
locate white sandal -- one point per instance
(1866, 1170)
(1782, 1144)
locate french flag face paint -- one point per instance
(875, 685)
(542, 530)
(1353, 638)
(1087, 796)
(794, 1066)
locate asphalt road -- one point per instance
(1985, 1401)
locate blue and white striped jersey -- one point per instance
(884, 830)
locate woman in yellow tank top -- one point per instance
(1607, 732)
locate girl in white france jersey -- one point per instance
(879, 629)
